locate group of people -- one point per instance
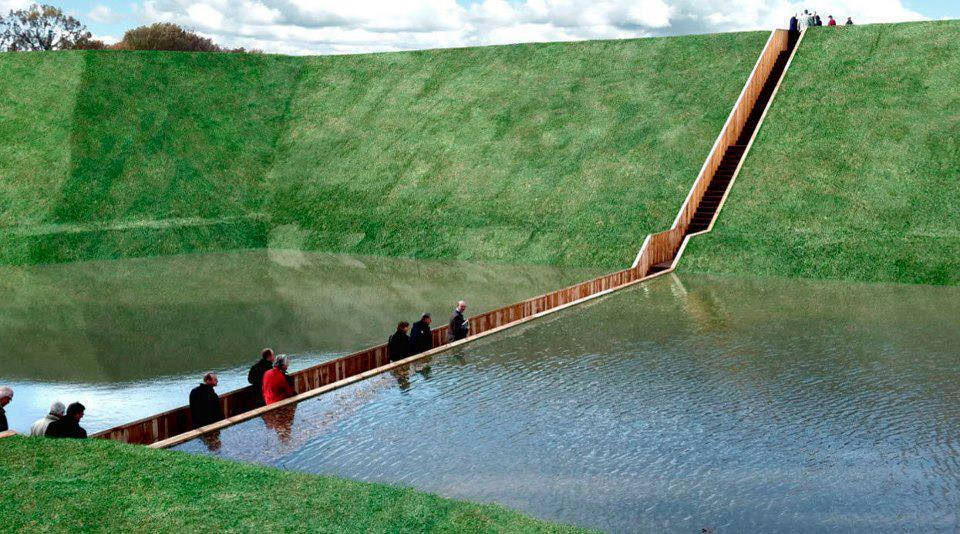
(402, 345)
(61, 422)
(268, 376)
(807, 19)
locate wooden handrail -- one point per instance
(175, 426)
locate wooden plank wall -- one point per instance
(658, 248)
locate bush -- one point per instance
(165, 36)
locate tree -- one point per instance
(165, 36)
(41, 27)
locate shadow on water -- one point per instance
(129, 338)
(691, 402)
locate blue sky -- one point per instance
(340, 26)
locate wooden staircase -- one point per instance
(723, 176)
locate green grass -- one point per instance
(855, 173)
(560, 153)
(68, 486)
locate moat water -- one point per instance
(690, 402)
(130, 338)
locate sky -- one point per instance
(353, 26)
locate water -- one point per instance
(743, 405)
(130, 338)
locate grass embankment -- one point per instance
(561, 153)
(68, 485)
(855, 173)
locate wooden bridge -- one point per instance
(658, 255)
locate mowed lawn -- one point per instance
(855, 173)
(104, 486)
(558, 153)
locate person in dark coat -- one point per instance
(255, 376)
(68, 426)
(794, 24)
(205, 403)
(421, 339)
(849, 22)
(458, 327)
(6, 395)
(398, 346)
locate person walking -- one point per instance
(255, 375)
(421, 338)
(458, 327)
(398, 346)
(39, 428)
(849, 22)
(804, 21)
(205, 403)
(277, 385)
(831, 21)
(68, 426)
(6, 395)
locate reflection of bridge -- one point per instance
(659, 254)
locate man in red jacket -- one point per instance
(832, 21)
(276, 384)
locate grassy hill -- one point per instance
(560, 153)
(102, 486)
(855, 173)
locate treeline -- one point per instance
(46, 27)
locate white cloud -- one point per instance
(349, 26)
(103, 14)
(8, 5)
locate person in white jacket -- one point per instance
(39, 428)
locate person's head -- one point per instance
(281, 362)
(462, 306)
(57, 409)
(426, 318)
(830, 17)
(267, 354)
(211, 379)
(806, 12)
(403, 326)
(6, 395)
(75, 411)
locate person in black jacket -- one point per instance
(421, 339)
(255, 376)
(6, 395)
(205, 403)
(398, 346)
(458, 327)
(68, 426)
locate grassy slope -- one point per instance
(854, 174)
(67, 485)
(149, 137)
(562, 153)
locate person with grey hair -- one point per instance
(458, 328)
(6, 395)
(39, 428)
(277, 384)
(205, 403)
(68, 426)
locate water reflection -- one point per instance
(695, 402)
(129, 338)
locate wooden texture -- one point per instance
(175, 426)
(7, 434)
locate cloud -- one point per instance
(9, 5)
(349, 26)
(103, 14)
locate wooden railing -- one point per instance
(7, 434)
(175, 426)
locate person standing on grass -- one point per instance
(831, 21)
(794, 24)
(6, 395)
(398, 346)
(458, 327)
(205, 403)
(277, 385)
(255, 376)
(39, 428)
(817, 21)
(421, 338)
(849, 21)
(804, 21)
(68, 426)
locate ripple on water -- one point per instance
(739, 404)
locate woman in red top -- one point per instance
(276, 384)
